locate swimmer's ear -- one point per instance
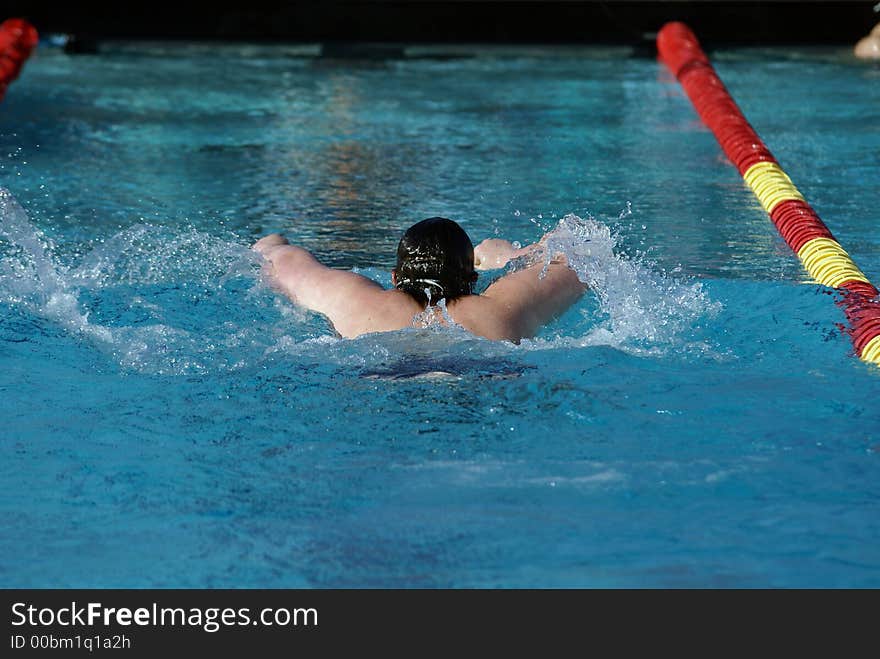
(394, 277)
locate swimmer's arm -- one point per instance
(524, 301)
(309, 283)
(495, 253)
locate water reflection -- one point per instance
(344, 157)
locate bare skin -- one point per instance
(869, 47)
(513, 308)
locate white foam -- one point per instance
(151, 254)
(645, 310)
(31, 278)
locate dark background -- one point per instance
(613, 21)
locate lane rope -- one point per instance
(821, 255)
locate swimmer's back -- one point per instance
(512, 308)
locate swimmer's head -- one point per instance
(438, 256)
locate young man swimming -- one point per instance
(435, 260)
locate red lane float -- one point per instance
(17, 39)
(797, 222)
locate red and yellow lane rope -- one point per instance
(800, 226)
(17, 39)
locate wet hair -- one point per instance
(438, 256)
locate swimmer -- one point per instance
(869, 47)
(436, 260)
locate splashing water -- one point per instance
(643, 309)
(32, 279)
(150, 254)
(640, 311)
(434, 315)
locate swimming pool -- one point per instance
(697, 421)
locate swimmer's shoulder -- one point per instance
(515, 306)
(486, 317)
(376, 311)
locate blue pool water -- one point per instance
(697, 420)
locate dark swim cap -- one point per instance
(435, 255)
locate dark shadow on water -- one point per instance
(442, 368)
